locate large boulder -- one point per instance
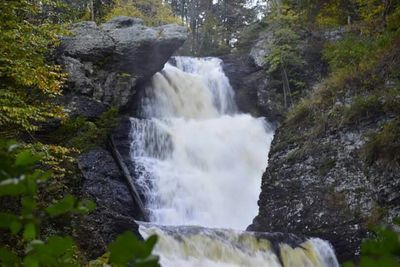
(106, 62)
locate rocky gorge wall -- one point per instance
(318, 182)
(322, 186)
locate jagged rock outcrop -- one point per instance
(260, 93)
(106, 62)
(255, 93)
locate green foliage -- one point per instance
(383, 250)
(371, 11)
(363, 83)
(362, 107)
(284, 57)
(27, 80)
(347, 53)
(300, 112)
(331, 14)
(393, 20)
(384, 144)
(57, 251)
(68, 205)
(284, 51)
(128, 250)
(82, 134)
(153, 12)
(20, 179)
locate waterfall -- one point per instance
(199, 162)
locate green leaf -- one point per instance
(61, 207)
(121, 250)
(10, 221)
(129, 249)
(29, 231)
(15, 227)
(85, 206)
(12, 187)
(25, 159)
(28, 205)
(57, 251)
(31, 261)
(149, 245)
(8, 258)
(151, 261)
(57, 245)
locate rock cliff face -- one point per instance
(323, 187)
(319, 183)
(106, 65)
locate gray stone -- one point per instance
(101, 227)
(87, 42)
(80, 105)
(120, 22)
(115, 209)
(323, 187)
(104, 183)
(77, 78)
(107, 62)
(260, 49)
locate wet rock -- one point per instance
(100, 228)
(115, 212)
(104, 183)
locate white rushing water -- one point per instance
(204, 159)
(199, 162)
(204, 247)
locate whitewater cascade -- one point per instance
(198, 161)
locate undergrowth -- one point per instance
(364, 83)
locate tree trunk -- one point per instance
(92, 10)
(183, 10)
(286, 88)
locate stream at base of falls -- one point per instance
(198, 164)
